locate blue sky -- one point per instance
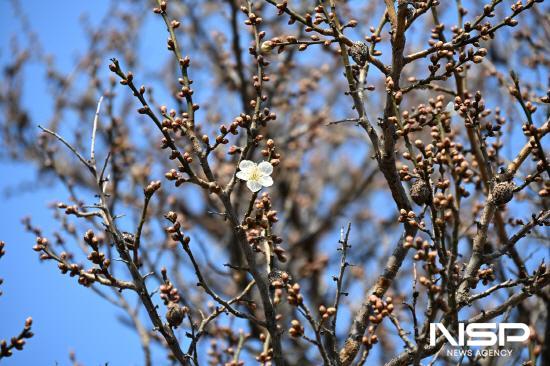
(66, 316)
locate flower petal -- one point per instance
(266, 181)
(247, 165)
(244, 175)
(265, 167)
(253, 185)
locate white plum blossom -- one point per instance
(255, 175)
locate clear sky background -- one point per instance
(66, 316)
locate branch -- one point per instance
(16, 342)
(94, 130)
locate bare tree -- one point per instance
(243, 207)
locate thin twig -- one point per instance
(94, 130)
